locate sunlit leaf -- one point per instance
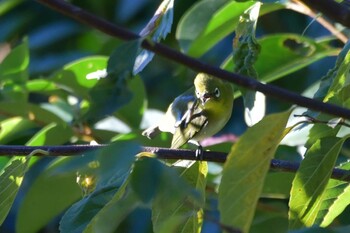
(207, 22)
(310, 181)
(282, 54)
(41, 85)
(15, 128)
(11, 177)
(73, 76)
(335, 199)
(245, 170)
(52, 134)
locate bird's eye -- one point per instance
(217, 92)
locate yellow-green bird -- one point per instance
(200, 112)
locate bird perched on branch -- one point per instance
(198, 113)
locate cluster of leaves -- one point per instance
(119, 188)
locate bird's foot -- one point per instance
(199, 153)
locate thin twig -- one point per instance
(299, 6)
(332, 9)
(162, 50)
(313, 120)
(162, 153)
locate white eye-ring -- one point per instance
(217, 92)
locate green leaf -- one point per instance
(50, 194)
(335, 199)
(6, 6)
(274, 188)
(282, 54)
(113, 164)
(112, 92)
(208, 21)
(74, 76)
(145, 179)
(270, 213)
(196, 177)
(15, 128)
(41, 85)
(14, 67)
(114, 212)
(310, 181)
(183, 203)
(13, 91)
(33, 112)
(52, 134)
(245, 170)
(81, 213)
(11, 177)
(133, 111)
(340, 77)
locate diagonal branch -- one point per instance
(162, 153)
(332, 9)
(162, 50)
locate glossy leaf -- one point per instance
(245, 170)
(282, 54)
(52, 134)
(208, 22)
(15, 128)
(41, 85)
(310, 181)
(73, 77)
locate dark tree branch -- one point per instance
(162, 153)
(249, 83)
(331, 9)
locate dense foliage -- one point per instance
(62, 83)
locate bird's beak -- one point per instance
(205, 97)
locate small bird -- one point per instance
(198, 113)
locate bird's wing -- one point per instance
(176, 111)
(187, 130)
